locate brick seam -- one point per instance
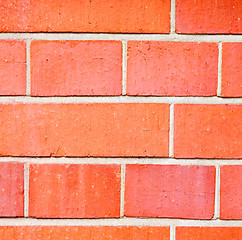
(217, 194)
(219, 69)
(120, 161)
(122, 190)
(120, 99)
(172, 232)
(28, 79)
(119, 222)
(26, 189)
(171, 132)
(173, 16)
(122, 37)
(124, 67)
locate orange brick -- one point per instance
(211, 233)
(74, 191)
(84, 129)
(12, 67)
(76, 68)
(206, 16)
(170, 191)
(84, 233)
(232, 70)
(231, 192)
(172, 68)
(134, 16)
(11, 189)
(207, 131)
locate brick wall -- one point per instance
(120, 119)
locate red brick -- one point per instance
(12, 67)
(207, 131)
(84, 233)
(84, 129)
(172, 68)
(171, 191)
(232, 70)
(11, 189)
(211, 233)
(74, 191)
(134, 16)
(206, 16)
(231, 192)
(76, 68)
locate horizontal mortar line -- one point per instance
(131, 37)
(118, 222)
(158, 161)
(120, 99)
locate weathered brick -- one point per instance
(11, 189)
(134, 16)
(207, 131)
(206, 16)
(84, 129)
(211, 233)
(84, 233)
(170, 191)
(76, 68)
(12, 67)
(74, 191)
(231, 192)
(231, 70)
(172, 68)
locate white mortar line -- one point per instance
(173, 16)
(124, 67)
(121, 99)
(171, 132)
(28, 70)
(120, 161)
(217, 194)
(220, 52)
(26, 189)
(172, 232)
(118, 222)
(122, 190)
(128, 37)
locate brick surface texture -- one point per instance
(120, 120)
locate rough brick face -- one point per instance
(207, 131)
(211, 233)
(76, 68)
(11, 189)
(74, 191)
(84, 233)
(206, 16)
(169, 191)
(118, 114)
(135, 16)
(84, 129)
(172, 68)
(231, 192)
(232, 70)
(12, 67)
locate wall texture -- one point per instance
(120, 119)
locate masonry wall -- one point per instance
(120, 119)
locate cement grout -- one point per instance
(171, 132)
(124, 67)
(173, 17)
(26, 189)
(219, 70)
(121, 161)
(119, 222)
(127, 37)
(121, 99)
